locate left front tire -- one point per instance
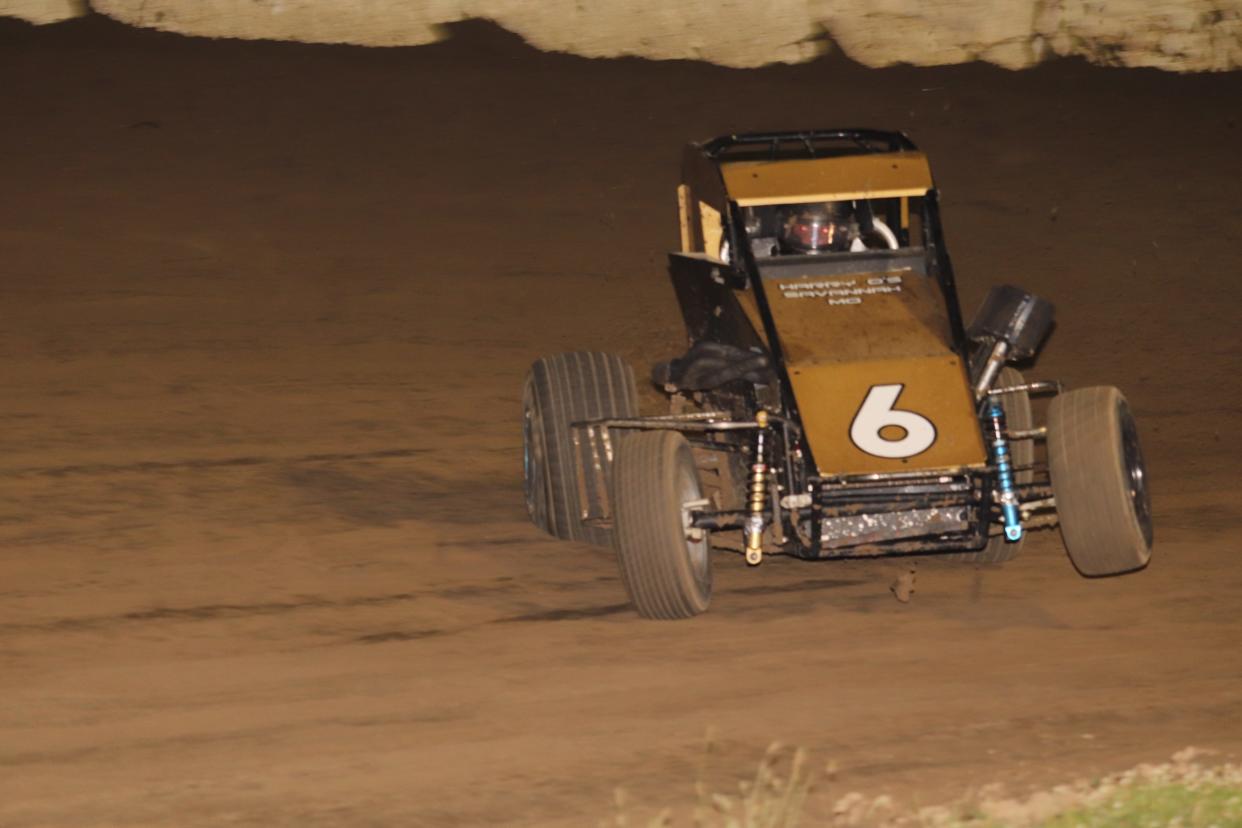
(665, 564)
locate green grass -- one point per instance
(1180, 794)
(1160, 806)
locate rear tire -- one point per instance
(667, 574)
(1100, 481)
(1018, 417)
(560, 390)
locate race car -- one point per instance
(831, 402)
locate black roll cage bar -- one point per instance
(813, 143)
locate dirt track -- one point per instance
(266, 312)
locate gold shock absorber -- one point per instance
(758, 496)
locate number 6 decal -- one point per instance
(877, 413)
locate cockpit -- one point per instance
(832, 228)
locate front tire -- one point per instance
(561, 390)
(665, 567)
(1100, 481)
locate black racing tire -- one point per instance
(1018, 417)
(1099, 481)
(667, 574)
(535, 459)
(560, 390)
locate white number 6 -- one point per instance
(877, 412)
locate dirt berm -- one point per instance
(266, 313)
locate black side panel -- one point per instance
(942, 269)
(708, 305)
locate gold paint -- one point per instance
(829, 396)
(889, 315)
(874, 175)
(713, 229)
(886, 329)
(683, 210)
(754, 524)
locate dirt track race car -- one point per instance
(831, 403)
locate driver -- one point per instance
(818, 228)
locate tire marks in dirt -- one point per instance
(488, 591)
(192, 464)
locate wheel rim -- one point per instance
(1136, 472)
(697, 552)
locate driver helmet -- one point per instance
(817, 228)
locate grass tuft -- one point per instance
(1179, 794)
(773, 798)
(1160, 806)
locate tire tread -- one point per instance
(577, 386)
(650, 544)
(1085, 456)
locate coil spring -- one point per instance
(758, 487)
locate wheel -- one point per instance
(534, 459)
(665, 567)
(560, 390)
(1099, 481)
(1018, 417)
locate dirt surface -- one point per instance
(266, 314)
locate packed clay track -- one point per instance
(264, 557)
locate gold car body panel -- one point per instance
(877, 385)
(875, 175)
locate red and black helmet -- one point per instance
(816, 228)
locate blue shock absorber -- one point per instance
(1004, 473)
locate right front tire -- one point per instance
(665, 565)
(1100, 481)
